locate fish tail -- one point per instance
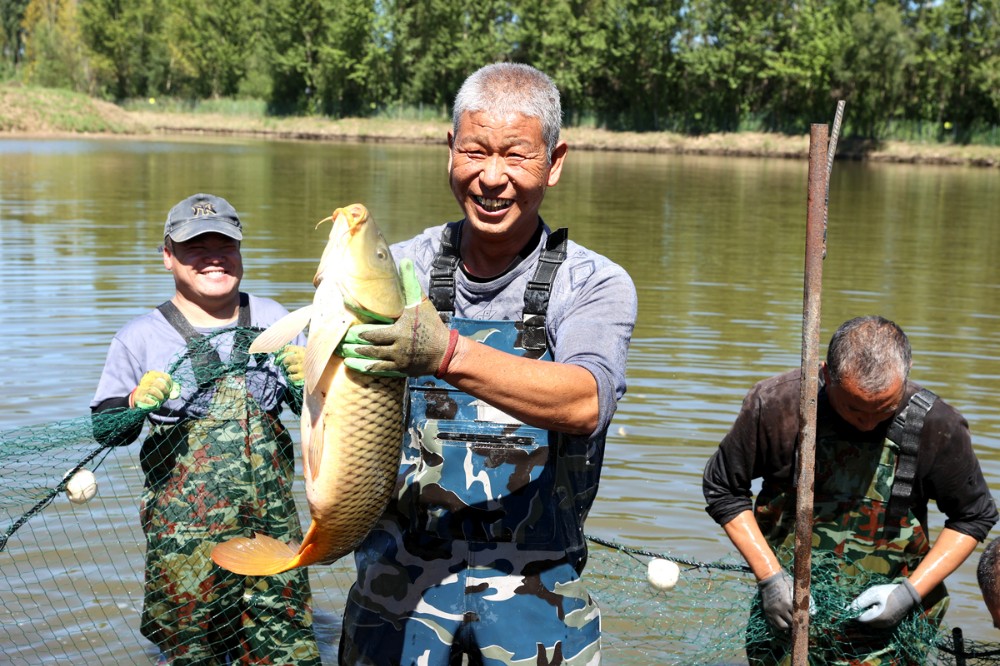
(258, 556)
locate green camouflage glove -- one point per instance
(153, 390)
(292, 359)
(416, 344)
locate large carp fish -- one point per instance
(352, 423)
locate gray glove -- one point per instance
(884, 606)
(776, 599)
(776, 596)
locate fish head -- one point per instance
(358, 255)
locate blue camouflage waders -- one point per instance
(482, 550)
(853, 488)
(208, 479)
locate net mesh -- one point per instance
(76, 577)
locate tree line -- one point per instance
(928, 69)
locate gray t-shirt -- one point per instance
(149, 342)
(592, 308)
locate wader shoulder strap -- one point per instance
(180, 323)
(441, 290)
(905, 432)
(536, 296)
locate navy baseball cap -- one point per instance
(202, 214)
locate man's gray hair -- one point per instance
(986, 575)
(504, 88)
(872, 351)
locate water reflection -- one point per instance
(715, 246)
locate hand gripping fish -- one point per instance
(352, 424)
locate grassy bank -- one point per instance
(40, 112)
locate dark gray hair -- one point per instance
(509, 87)
(986, 574)
(872, 351)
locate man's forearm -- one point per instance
(554, 396)
(745, 534)
(949, 551)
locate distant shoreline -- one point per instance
(45, 113)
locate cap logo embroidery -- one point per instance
(202, 209)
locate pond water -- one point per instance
(715, 246)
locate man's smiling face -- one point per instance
(207, 269)
(499, 170)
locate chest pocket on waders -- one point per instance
(476, 477)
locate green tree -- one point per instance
(724, 49)
(798, 65)
(871, 69)
(347, 61)
(211, 44)
(637, 70)
(973, 48)
(127, 49)
(564, 38)
(54, 52)
(297, 32)
(11, 35)
(437, 43)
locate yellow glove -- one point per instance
(153, 390)
(292, 359)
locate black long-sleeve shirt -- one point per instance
(762, 442)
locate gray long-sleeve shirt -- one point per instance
(591, 313)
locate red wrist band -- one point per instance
(448, 353)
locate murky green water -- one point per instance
(715, 246)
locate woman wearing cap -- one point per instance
(217, 460)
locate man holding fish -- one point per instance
(517, 362)
(217, 461)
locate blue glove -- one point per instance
(884, 606)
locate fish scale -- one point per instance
(358, 409)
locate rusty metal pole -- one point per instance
(805, 473)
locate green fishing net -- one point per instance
(76, 586)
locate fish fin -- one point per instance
(258, 556)
(322, 346)
(281, 332)
(306, 425)
(309, 553)
(315, 452)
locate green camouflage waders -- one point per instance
(228, 474)
(851, 497)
